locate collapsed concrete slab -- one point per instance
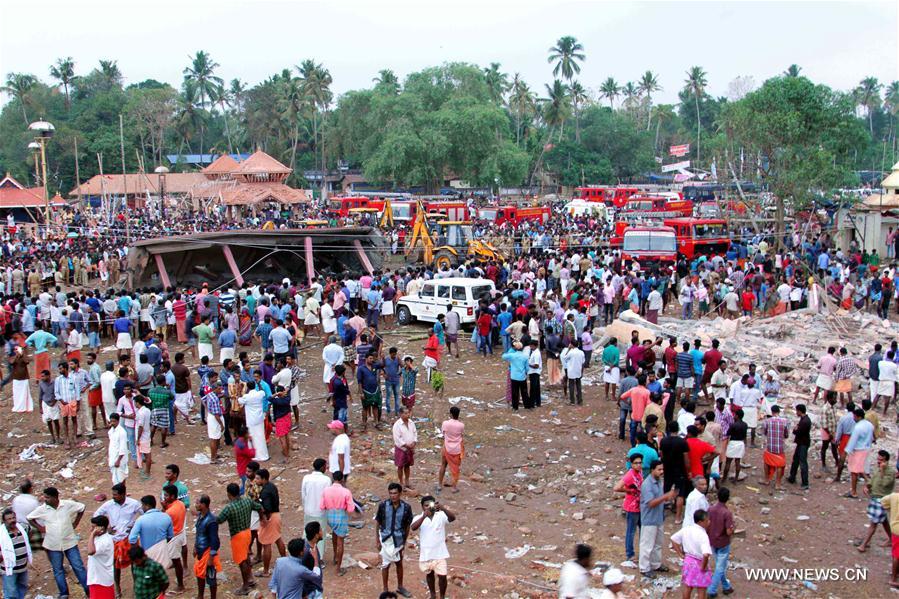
(220, 257)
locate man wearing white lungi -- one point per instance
(21, 386)
(332, 355)
(118, 450)
(252, 402)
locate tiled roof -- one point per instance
(260, 163)
(223, 164)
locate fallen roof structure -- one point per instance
(220, 257)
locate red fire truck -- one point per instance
(700, 236)
(655, 207)
(649, 244)
(341, 206)
(515, 214)
(453, 211)
(610, 196)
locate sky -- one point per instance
(836, 43)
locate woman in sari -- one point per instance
(245, 331)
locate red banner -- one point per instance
(681, 150)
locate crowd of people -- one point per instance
(188, 355)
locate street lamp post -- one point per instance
(161, 171)
(43, 131)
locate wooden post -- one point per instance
(124, 181)
(77, 175)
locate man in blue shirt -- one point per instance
(206, 547)
(696, 353)
(367, 377)
(652, 520)
(153, 528)
(293, 572)
(392, 380)
(518, 368)
(280, 338)
(503, 320)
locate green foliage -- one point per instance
(806, 132)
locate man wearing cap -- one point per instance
(339, 456)
(613, 580)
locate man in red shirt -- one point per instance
(747, 301)
(484, 324)
(671, 360)
(711, 359)
(701, 453)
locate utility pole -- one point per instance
(77, 175)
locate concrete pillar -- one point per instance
(310, 266)
(163, 273)
(363, 257)
(229, 257)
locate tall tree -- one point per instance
(631, 94)
(111, 75)
(793, 70)
(556, 107)
(316, 85)
(222, 96)
(867, 95)
(568, 53)
(891, 106)
(648, 85)
(578, 96)
(387, 81)
(64, 72)
(497, 83)
(695, 84)
(611, 90)
(521, 102)
(19, 86)
(201, 75)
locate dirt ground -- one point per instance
(532, 486)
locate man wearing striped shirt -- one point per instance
(843, 373)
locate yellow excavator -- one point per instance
(445, 243)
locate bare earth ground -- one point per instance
(520, 474)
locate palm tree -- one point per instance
(497, 83)
(296, 103)
(521, 101)
(189, 118)
(388, 81)
(567, 53)
(64, 72)
(867, 95)
(316, 85)
(556, 106)
(792, 70)
(222, 96)
(611, 90)
(201, 74)
(648, 85)
(664, 113)
(891, 105)
(695, 85)
(112, 76)
(578, 96)
(631, 95)
(19, 86)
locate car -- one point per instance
(436, 296)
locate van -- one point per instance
(437, 295)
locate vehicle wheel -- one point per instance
(404, 315)
(443, 259)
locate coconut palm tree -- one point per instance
(201, 74)
(189, 118)
(792, 70)
(891, 105)
(316, 85)
(648, 85)
(112, 76)
(497, 83)
(578, 96)
(556, 107)
(664, 113)
(631, 95)
(695, 85)
(64, 72)
(222, 97)
(388, 81)
(867, 95)
(19, 86)
(567, 53)
(521, 102)
(611, 90)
